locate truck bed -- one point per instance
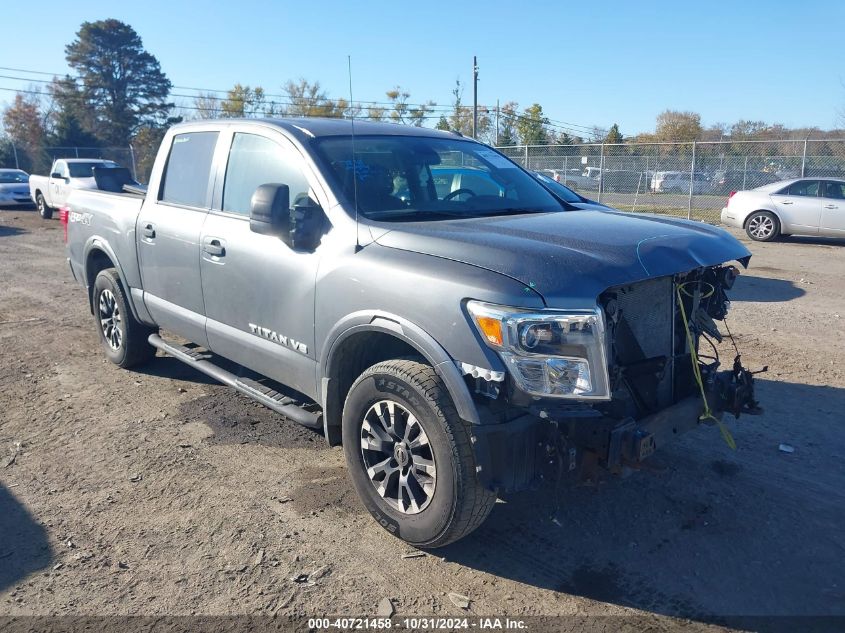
(108, 219)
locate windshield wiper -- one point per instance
(412, 216)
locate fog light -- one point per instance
(569, 376)
(552, 376)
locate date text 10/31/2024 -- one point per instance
(417, 623)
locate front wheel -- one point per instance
(410, 457)
(44, 211)
(124, 339)
(762, 226)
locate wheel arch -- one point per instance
(99, 256)
(761, 210)
(363, 339)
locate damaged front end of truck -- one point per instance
(553, 416)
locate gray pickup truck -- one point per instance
(458, 343)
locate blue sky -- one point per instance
(587, 63)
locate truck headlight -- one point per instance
(558, 354)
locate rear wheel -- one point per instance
(124, 339)
(43, 210)
(762, 226)
(410, 457)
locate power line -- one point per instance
(565, 126)
(269, 107)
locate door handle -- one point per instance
(786, 201)
(214, 247)
(149, 231)
(830, 206)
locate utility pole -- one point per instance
(497, 123)
(474, 97)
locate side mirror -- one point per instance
(306, 224)
(269, 212)
(56, 174)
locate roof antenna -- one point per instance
(354, 163)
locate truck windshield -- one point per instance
(410, 178)
(560, 190)
(83, 170)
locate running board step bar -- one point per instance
(260, 393)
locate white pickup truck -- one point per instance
(51, 192)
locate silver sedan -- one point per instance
(14, 188)
(804, 206)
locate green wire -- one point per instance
(696, 370)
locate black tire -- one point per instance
(762, 226)
(43, 210)
(123, 338)
(458, 503)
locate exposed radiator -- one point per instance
(648, 309)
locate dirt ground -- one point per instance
(157, 492)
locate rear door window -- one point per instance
(835, 190)
(802, 188)
(188, 169)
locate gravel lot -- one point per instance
(157, 492)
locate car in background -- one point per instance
(573, 178)
(804, 206)
(567, 195)
(14, 188)
(679, 182)
(616, 180)
(66, 174)
(458, 182)
(727, 180)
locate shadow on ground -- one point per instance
(764, 289)
(811, 240)
(169, 367)
(24, 548)
(708, 534)
(703, 532)
(7, 231)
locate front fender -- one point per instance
(413, 335)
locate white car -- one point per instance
(573, 178)
(567, 195)
(678, 182)
(805, 206)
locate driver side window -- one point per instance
(254, 161)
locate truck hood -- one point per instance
(571, 257)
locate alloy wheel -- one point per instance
(761, 226)
(110, 319)
(398, 457)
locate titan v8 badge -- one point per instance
(281, 339)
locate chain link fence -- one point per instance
(691, 180)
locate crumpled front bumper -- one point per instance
(514, 455)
